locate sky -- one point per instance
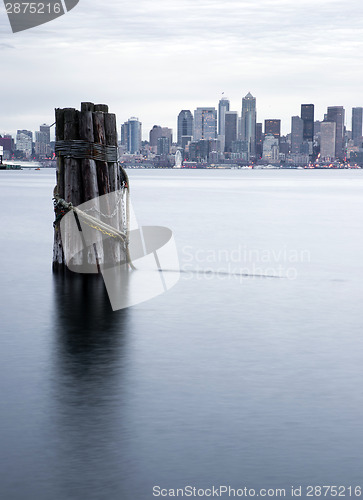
(151, 59)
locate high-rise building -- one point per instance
(42, 141)
(185, 124)
(327, 140)
(336, 114)
(271, 150)
(163, 146)
(24, 142)
(45, 129)
(7, 142)
(231, 118)
(259, 140)
(156, 132)
(133, 135)
(307, 115)
(223, 107)
(205, 124)
(297, 134)
(125, 134)
(248, 122)
(273, 127)
(357, 115)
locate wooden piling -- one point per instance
(81, 179)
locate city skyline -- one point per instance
(233, 107)
(160, 58)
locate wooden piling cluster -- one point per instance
(80, 179)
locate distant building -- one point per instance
(271, 152)
(199, 150)
(231, 118)
(185, 125)
(163, 146)
(357, 115)
(185, 140)
(248, 123)
(259, 140)
(316, 127)
(42, 147)
(273, 127)
(7, 142)
(307, 115)
(133, 133)
(297, 134)
(24, 142)
(205, 124)
(45, 129)
(223, 107)
(155, 134)
(336, 114)
(327, 140)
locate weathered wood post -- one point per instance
(86, 146)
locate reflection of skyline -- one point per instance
(87, 382)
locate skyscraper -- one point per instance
(297, 134)
(273, 127)
(185, 124)
(259, 140)
(24, 142)
(336, 114)
(327, 140)
(205, 123)
(156, 132)
(307, 115)
(357, 114)
(248, 123)
(223, 107)
(134, 135)
(230, 129)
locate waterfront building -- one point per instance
(185, 125)
(223, 107)
(273, 127)
(327, 140)
(205, 124)
(248, 123)
(336, 114)
(231, 119)
(24, 142)
(357, 115)
(297, 134)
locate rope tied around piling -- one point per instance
(86, 150)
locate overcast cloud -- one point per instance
(152, 59)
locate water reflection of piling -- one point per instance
(88, 382)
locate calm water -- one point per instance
(224, 380)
